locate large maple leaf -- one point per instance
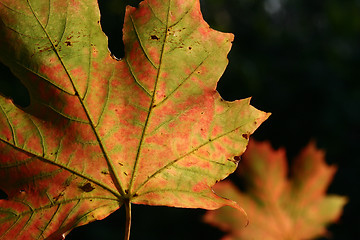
(148, 129)
(279, 208)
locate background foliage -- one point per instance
(297, 59)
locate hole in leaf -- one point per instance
(87, 187)
(112, 21)
(154, 37)
(11, 87)
(3, 195)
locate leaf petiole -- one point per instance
(128, 219)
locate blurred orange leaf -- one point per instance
(279, 207)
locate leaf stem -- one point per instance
(128, 219)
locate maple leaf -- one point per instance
(278, 207)
(148, 129)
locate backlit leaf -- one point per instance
(149, 129)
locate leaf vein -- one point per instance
(182, 83)
(185, 155)
(181, 18)
(45, 78)
(43, 159)
(63, 202)
(153, 12)
(69, 214)
(141, 43)
(11, 227)
(17, 163)
(27, 223)
(48, 223)
(175, 190)
(195, 171)
(16, 11)
(109, 163)
(65, 115)
(135, 78)
(41, 136)
(106, 98)
(150, 107)
(65, 24)
(13, 133)
(48, 17)
(89, 70)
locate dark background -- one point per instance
(297, 59)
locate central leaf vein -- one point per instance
(135, 168)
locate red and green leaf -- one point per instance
(148, 129)
(278, 207)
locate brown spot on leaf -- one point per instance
(237, 158)
(155, 37)
(68, 43)
(245, 135)
(87, 187)
(190, 48)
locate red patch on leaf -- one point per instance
(204, 31)
(199, 187)
(56, 74)
(81, 79)
(154, 55)
(95, 65)
(74, 4)
(142, 14)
